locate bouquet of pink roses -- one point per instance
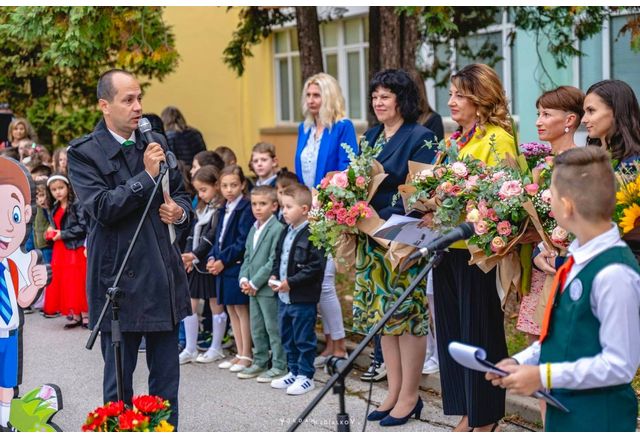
(442, 190)
(342, 201)
(497, 212)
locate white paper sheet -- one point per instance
(475, 358)
(405, 229)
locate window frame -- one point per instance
(341, 50)
(505, 27)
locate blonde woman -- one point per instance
(19, 129)
(324, 129)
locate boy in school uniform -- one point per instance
(588, 351)
(263, 303)
(297, 275)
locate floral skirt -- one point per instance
(374, 295)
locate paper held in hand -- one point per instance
(475, 358)
(166, 189)
(406, 230)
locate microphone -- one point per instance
(463, 231)
(145, 128)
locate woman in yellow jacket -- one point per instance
(466, 300)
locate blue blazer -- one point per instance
(331, 156)
(231, 251)
(406, 144)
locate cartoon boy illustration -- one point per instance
(19, 285)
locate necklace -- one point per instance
(463, 138)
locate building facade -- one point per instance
(264, 104)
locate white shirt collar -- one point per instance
(583, 254)
(299, 227)
(121, 139)
(259, 227)
(231, 206)
(267, 181)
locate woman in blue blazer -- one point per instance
(318, 152)
(394, 100)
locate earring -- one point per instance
(566, 129)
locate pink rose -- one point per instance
(459, 169)
(504, 228)
(340, 179)
(331, 215)
(532, 189)
(546, 196)
(472, 181)
(497, 176)
(351, 221)
(324, 183)
(455, 190)
(510, 189)
(481, 227)
(493, 216)
(424, 175)
(446, 187)
(482, 207)
(439, 172)
(361, 182)
(498, 244)
(559, 235)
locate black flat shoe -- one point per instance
(73, 324)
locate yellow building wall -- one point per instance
(227, 110)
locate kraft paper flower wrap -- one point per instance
(501, 215)
(341, 210)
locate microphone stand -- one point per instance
(114, 294)
(344, 367)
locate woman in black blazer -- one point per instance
(394, 99)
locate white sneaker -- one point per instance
(301, 385)
(430, 366)
(210, 356)
(187, 357)
(284, 382)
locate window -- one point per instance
(608, 55)
(345, 53)
(496, 34)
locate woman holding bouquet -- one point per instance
(394, 100)
(319, 151)
(559, 115)
(468, 308)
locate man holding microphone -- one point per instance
(113, 171)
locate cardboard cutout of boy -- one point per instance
(22, 276)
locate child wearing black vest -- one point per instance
(588, 351)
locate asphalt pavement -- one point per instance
(211, 399)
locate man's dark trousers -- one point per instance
(162, 355)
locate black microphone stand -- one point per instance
(338, 377)
(114, 294)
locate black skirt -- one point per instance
(201, 285)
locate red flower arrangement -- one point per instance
(149, 413)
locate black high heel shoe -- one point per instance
(377, 415)
(390, 421)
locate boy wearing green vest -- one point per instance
(588, 351)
